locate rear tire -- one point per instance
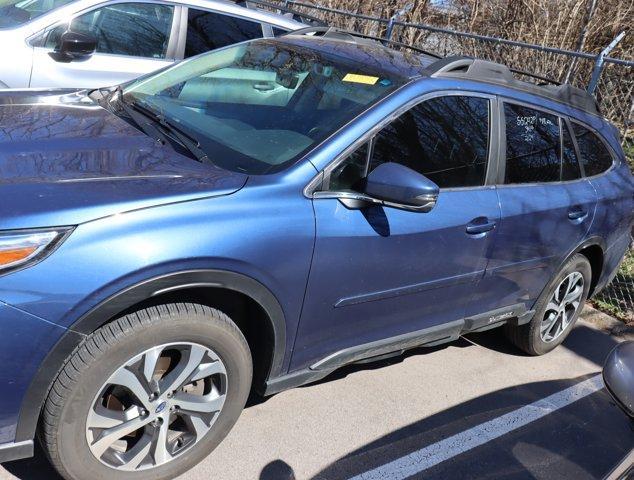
(199, 368)
(556, 310)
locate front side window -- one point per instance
(259, 106)
(595, 156)
(208, 30)
(132, 29)
(14, 13)
(533, 146)
(445, 138)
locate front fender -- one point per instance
(38, 389)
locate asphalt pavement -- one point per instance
(476, 408)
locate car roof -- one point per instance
(409, 65)
(370, 53)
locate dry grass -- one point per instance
(579, 25)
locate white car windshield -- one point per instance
(15, 13)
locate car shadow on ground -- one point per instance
(583, 440)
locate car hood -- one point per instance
(65, 160)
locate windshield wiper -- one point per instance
(190, 143)
(161, 129)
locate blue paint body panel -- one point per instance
(25, 340)
(342, 277)
(382, 272)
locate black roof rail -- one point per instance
(483, 70)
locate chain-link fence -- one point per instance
(610, 79)
(618, 297)
(614, 88)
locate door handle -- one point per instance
(577, 214)
(477, 227)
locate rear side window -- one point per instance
(278, 32)
(209, 30)
(595, 157)
(445, 139)
(533, 146)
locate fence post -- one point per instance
(598, 64)
(394, 18)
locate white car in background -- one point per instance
(97, 43)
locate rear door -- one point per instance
(381, 272)
(547, 208)
(132, 39)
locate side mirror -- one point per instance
(401, 187)
(74, 46)
(618, 376)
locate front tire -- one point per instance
(556, 310)
(148, 395)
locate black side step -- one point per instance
(428, 336)
(393, 346)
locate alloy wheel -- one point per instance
(562, 307)
(156, 406)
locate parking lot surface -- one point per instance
(477, 408)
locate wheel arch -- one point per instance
(191, 285)
(595, 255)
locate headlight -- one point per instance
(21, 248)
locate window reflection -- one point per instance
(446, 139)
(532, 145)
(595, 157)
(133, 29)
(208, 30)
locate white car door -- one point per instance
(132, 39)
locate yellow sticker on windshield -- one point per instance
(356, 78)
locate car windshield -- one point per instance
(259, 106)
(15, 13)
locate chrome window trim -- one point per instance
(324, 174)
(362, 197)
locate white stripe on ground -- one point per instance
(420, 460)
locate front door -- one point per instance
(381, 272)
(132, 39)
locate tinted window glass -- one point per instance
(208, 31)
(570, 165)
(595, 157)
(134, 29)
(532, 145)
(349, 174)
(278, 32)
(445, 139)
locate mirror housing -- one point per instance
(401, 187)
(618, 376)
(74, 46)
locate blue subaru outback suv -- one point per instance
(263, 214)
